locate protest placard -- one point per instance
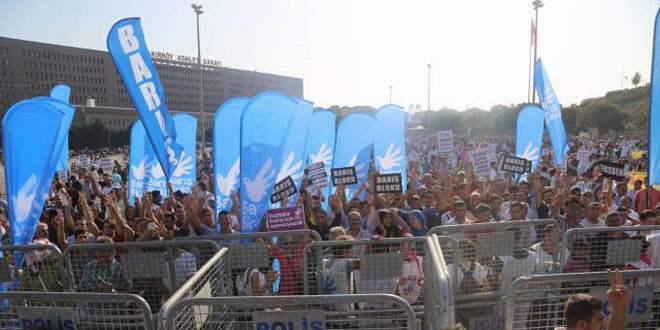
(343, 176)
(63, 176)
(445, 141)
(612, 170)
(318, 175)
(388, 183)
(283, 189)
(286, 218)
(480, 162)
(583, 159)
(516, 165)
(107, 164)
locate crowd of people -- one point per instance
(92, 207)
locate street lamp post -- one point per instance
(428, 101)
(390, 94)
(537, 4)
(198, 11)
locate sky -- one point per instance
(348, 52)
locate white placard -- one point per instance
(107, 164)
(583, 158)
(63, 176)
(480, 162)
(445, 141)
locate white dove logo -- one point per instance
(226, 183)
(24, 199)
(256, 189)
(324, 155)
(289, 169)
(391, 158)
(530, 153)
(139, 171)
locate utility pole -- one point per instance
(198, 11)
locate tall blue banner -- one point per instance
(146, 174)
(33, 134)
(390, 142)
(62, 92)
(227, 150)
(529, 133)
(654, 109)
(139, 162)
(265, 126)
(293, 150)
(129, 51)
(552, 110)
(321, 145)
(354, 145)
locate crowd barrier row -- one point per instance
(197, 269)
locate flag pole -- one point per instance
(537, 4)
(529, 68)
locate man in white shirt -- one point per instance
(593, 217)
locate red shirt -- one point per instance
(640, 195)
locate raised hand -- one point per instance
(183, 166)
(618, 294)
(391, 158)
(530, 153)
(290, 169)
(323, 155)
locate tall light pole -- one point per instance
(428, 101)
(390, 94)
(198, 11)
(536, 4)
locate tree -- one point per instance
(603, 115)
(636, 79)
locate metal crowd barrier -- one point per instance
(440, 299)
(597, 249)
(73, 310)
(385, 266)
(537, 302)
(486, 258)
(43, 268)
(153, 270)
(212, 280)
(292, 312)
(272, 256)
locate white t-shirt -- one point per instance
(588, 224)
(544, 265)
(336, 276)
(513, 268)
(184, 266)
(411, 291)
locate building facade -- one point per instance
(29, 69)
